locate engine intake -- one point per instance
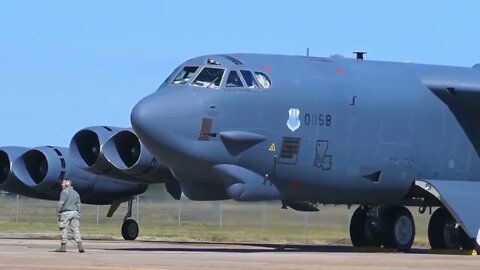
(4, 167)
(10, 181)
(43, 166)
(36, 165)
(123, 150)
(126, 153)
(46, 166)
(86, 148)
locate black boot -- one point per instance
(63, 248)
(80, 247)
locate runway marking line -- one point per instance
(77, 267)
(431, 251)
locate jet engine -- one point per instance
(9, 181)
(44, 167)
(43, 171)
(86, 150)
(126, 153)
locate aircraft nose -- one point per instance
(143, 113)
(146, 117)
(161, 119)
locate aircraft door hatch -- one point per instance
(206, 129)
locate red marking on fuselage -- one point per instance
(267, 68)
(294, 184)
(341, 71)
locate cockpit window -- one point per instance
(249, 79)
(170, 76)
(233, 80)
(209, 77)
(212, 62)
(185, 75)
(263, 80)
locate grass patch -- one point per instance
(199, 221)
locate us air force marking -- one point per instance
(293, 122)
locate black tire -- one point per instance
(362, 234)
(467, 242)
(130, 229)
(357, 227)
(386, 216)
(442, 233)
(400, 228)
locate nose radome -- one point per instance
(158, 111)
(162, 111)
(142, 113)
(163, 121)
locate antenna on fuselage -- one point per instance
(359, 55)
(308, 52)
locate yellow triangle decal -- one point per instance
(272, 147)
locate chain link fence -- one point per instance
(159, 216)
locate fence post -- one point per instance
(179, 208)
(138, 206)
(98, 213)
(220, 221)
(305, 221)
(18, 207)
(264, 215)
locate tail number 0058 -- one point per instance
(317, 119)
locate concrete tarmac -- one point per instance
(122, 255)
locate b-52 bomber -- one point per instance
(300, 130)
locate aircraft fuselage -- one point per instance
(365, 131)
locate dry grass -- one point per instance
(199, 221)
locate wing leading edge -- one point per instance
(461, 93)
(460, 200)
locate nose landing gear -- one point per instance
(130, 227)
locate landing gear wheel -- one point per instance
(444, 234)
(467, 243)
(357, 227)
(362, 232)
(130, 229)
(401, 229)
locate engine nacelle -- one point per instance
(44, 166)
(47, 166)
(126, 153)
(86, 150)
(10, 182)
(107, 190)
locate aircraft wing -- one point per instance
(462, 96)
(460, 198)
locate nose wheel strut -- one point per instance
(130, 227)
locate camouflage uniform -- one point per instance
(69, 208)
(69, 220)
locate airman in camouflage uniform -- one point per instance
(68, 210)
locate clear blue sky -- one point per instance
(65, 65)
